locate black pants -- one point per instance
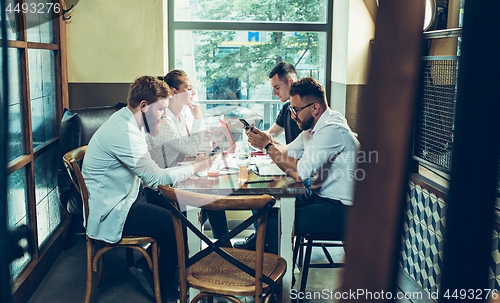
(150, 217)
(313, 214)
(218, 221)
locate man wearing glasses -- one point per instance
(325, 152)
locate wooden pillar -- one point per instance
(386, 109)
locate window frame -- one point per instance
(326, 28)
(44, 255)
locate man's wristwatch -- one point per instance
(266, 148)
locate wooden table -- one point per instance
(284, 189)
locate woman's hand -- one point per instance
(203, 163)
(196, 111)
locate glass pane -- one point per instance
(15, 120)
(12, 20)
(15, 148)
(40, 21)
(17, 199)
(47, 199)
(35, 72)
(241, 61)
(14, 66)
(43, 223)
(41, 175)
(54, 210)
(48, 72)
(251, 10)
(50, 118)
(43, 95)
(234, 65)
(37, 122)
(19, 264)
(17, 202)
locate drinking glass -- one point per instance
(243, 159)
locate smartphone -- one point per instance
(244, 122)
(214, 151)
(247, 125)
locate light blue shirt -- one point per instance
(116, 161)
(327, 153)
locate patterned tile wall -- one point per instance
(494, 277)
(422, 240)
(422, 249)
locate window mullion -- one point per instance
(28, 136)
(250, 26)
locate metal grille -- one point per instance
(437, 111)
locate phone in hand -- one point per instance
(247, 125)
(214, 151)
(244, 122)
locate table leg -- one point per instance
(194, 243)
(286, 221)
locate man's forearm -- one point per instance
(286, 163)
(275, 129)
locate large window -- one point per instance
(228, 48)
(35, 103)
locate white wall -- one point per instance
(115, 41)
(361, 30)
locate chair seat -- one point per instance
(325, 237)
(131, 240)
(215, 273)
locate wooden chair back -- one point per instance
(261, 203)
(95, 260)
(71, 161)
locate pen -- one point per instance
(261, 181)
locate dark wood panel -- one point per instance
(83, 95)
(353, 94)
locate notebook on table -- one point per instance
(268, 170)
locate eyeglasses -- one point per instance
(296, 111)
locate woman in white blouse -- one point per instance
(181, 134)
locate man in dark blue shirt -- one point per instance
(281, 76)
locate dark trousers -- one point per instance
(149, 216)
(307, 184)
(313, 214)
(218, 221)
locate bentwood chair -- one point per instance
(226, 272)
(314, 240)
(95, 260)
